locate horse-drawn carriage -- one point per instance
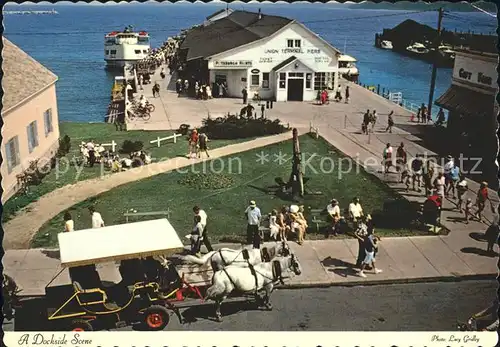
(146, 287)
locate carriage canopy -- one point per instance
(118, 242)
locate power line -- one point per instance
(481, 10)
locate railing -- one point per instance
(407, 105)
(159, 140)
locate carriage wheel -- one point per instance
(156, 318)
(81, 325)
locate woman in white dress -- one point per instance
(273, 225)
(69, 225)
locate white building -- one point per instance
(276, 57)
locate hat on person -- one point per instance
(334, 201)
(369, 217)
(252, 203)
(294, 209)
(449, 157)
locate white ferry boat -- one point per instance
(121, 48)
(385, 44)
(417, 49)
(347, 67)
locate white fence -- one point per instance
(159, 140)
(113, 145)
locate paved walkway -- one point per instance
(19, 231)
(323, 262)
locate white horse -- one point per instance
(250, 280)
(239, 257)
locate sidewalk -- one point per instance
(324, 263)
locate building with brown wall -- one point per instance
(31, 127)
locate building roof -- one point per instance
(284, 63)
(467, 102)
(237, 29)
(219, 12)
(23, 76)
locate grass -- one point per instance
(179, 192)
(100, 133)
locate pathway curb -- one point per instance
(370, 282)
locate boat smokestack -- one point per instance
(260, 14)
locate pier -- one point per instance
(31, 12)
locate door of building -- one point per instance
(295, 89)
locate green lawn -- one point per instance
(103, 133)
(225, 205)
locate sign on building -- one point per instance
(231, 64)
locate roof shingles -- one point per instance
(237, 29)
(23, 76)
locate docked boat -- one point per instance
(126, 47)
(417, 49)
(385, 44)
(447, 52)
(347, 68)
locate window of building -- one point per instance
(289, 43)
(47, 116)
(255, 80)
(32, 132)
(107, 51)
(113, 51)
(282, 80)
(298, 43)
(319, 80)
(308, 80)
(145, 51)
(295, 74)
(265, 80)
(12, 153)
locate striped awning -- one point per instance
(467, 102)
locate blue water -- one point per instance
(71, 43)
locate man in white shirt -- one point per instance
(355, 212)
(333, 210)
(203, 215)
(253, 216)
(97, 221)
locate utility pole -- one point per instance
(435, 57)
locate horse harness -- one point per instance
(276, 271)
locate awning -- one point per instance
(287, 62)
(118, 242)
(347, 58)
(467, 102)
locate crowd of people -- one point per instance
(449, 182)
(323, 96)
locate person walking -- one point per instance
(338, 94)
(440, 118)
(454, 179)
(347, 94)
(374, 120)
(254, 217)
(461, 192)
(262, 110)
(440, 185)
(428, 175)
(401, 161)
(193, 144)
(97, 221)
(450, 163)
(366, 121)
(196, 236)
(360, 234)
(202, 145)
(244, 93)
(481, 198)
(370, 244)
(69, 225)
(491, 236)
(387, 157)
(390, 123)
(203, 220)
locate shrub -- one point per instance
(131, 146)
(236, 127)
(64, 146)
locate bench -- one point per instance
(318, 217)
(143, 214)
(264, 229)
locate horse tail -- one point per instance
(200, 261)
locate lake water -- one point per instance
(71, 43)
